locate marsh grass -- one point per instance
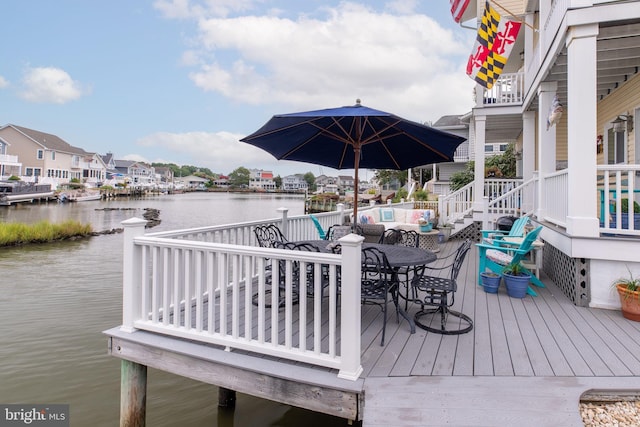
(12, 234)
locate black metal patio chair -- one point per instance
(268, 235)
(395, 236)
(377, 283)
(438, 292)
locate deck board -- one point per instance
(526, 361)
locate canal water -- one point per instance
(56, 299)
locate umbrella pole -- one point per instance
(356, 164)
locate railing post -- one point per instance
(285, 221)
(350, 307)
(485, 213)
(131, 271)
(340, 209)
(442, 219)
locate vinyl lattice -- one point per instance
(471, 231)
(569, 274)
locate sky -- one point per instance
(181, 81)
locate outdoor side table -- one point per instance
(428, 240)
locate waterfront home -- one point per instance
(50, 159)
(576, 165)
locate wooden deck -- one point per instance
(526, 362)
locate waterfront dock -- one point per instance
(526, 361)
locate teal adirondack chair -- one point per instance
(499, 254)
(517, 230)
(321, 231)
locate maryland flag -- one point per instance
(493, 45)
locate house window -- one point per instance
(488, 148)
(616, 147)
(53, 155)
(40, 154)
(28, 172)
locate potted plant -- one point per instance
(629, 292)
(490, 281)
(516, 280)
(445, 231)
(424, 225)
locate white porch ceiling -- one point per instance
(618, 59)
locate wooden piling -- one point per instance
(133, 394)
(226, 398)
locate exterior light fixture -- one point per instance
(623, 123)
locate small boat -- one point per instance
(79, 196)
(18, 191)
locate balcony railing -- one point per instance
(615, 184)
(507, 90)
(8, 159)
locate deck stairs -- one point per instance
(504, 197)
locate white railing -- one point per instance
(455, 206)
(617, 183)
(9, 159)
(507, 90)
(556, 200)
(220, 293)
(516, 199)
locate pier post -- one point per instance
(226, 398)
(133, 394)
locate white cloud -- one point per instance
(406, 64)
(50, 85)
(218, 151)
(3, 82)
(402, 6)
(183, 9)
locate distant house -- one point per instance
(138, 174)
(191, 182)
(457, 124)
(261, 180)
(221, 181)
(345, 183)
(164, 176)
(48, 158)
(294, 183)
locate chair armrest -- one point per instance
(496, 233)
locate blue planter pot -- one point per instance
(516, 285)
(490, 283)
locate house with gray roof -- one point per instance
(48, 158)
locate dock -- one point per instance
(527, 362)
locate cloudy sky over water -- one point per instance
(182, 81)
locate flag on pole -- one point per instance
(493, 45)
(458, 8)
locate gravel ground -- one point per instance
(625, 413)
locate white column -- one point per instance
(350, 313)
(478, 187)
(528, 144)
(131, 272)
(582, 117)
(546, 142)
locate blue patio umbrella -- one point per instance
(352, 137)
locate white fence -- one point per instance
(214, 285)
(618, 187)
(556, 200)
